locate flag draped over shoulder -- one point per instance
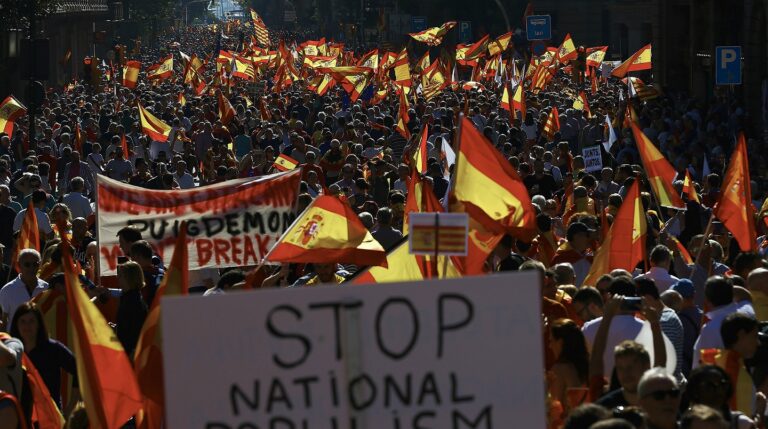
(552, 126)
(624, 245)
(328, 231)
(107, 381)
(734, 209)
(659, 171)
(148, 358)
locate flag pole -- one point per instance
(704, 240)
(435, 273)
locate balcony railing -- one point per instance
(80, 6)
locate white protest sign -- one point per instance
(460, 353)
(593, 159)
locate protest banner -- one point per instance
(458, 353)
(593, 159)
(233, 223)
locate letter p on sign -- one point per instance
(728, 65)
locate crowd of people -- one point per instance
(704, 364)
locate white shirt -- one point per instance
(43, 224)
(661, 277)
(709, 336)
(623, 327)
(185, 181)
(14, 293)
(78, 204)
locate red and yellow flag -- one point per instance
(156, 129)
(78, 138)
(370, 60)
(640, 60)
(328, 231)
(552, 126)
(45, 412)
(402, 116)
(182, 99)
(477, 49)
(596, 55)
(226, 111)
(500, 45)
(10, 110)
(489, 188)
(420, 155)
(433, 36)
(29, 234)
(131, 74)
(624, 245)
(402, 266)
(734, 209)
(741, 382)
(689, 189)
(402, 69)
(124, 147)
(161, 70)
(107, 382)
(567, 50)
(353, 79)
(148, 358)
(659, 171)
(518, 102)
(285, 163)
(262, 34)
(581, 103)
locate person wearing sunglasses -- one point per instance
(659, 396)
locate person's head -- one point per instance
(757, 280)
(564, 274)
(29, 262)
(702, 417)
(744, 263)
(613, 423)
(127, 236)
(672, 299)
(659, 397)
(631, 361)
(686, 290)
(661, 256)
(646, 287)
(568, 345)
(39, 197)
(384, 216)
(60, 213)
(230, 278)
(130, 276)
(718, 291)
(77, 184)
(588, 304)
(28, 324)
(585, 415)
(578, 235)
(739, 333)
(141, 252)
(326, 273)
(603, 285)
(622, 285)
(709, 385)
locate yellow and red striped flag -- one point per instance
(419, 158)
(552, 126)
(689, 189)
(402, 266)
(581, 103)
(433, 36)
(124, 147)
(182, 99)
(262, 34)
(500, 45)
(402, 69)
(328, 231)
(402, 116)
(567, 50)
(10, 110)
(107, 381)
(161, 70)
(624, 244)
(285, 163)
(148, 357)
(156, 129)
(29, 234)
(131, 74)
(734, 209)
(640, 60)
(659, 171)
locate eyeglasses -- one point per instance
(660, 395)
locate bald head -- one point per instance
(758, 280)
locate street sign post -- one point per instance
(728, 65)
(538, 27)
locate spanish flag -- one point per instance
(596, 55)
(182, 99)
(489, 188)
(500, 45)
(419, 158)
(52, 304)
(131, 74)
(734, 209)
(477, 50)
(226, 111)
(148, 358)
(402, 69)
(285, 163)
(567, 50)
(640, 60)
(660, 173)
(156, 129)
(328, 231)
(552, 126)
(741, 382)
(107, 382)
(45, 412)
(10, 110)
(402, 116)
(433, 36)
(421, 199)
(401, 266)
(353, 79)
(370, 60)
(518, 102)
(581, 103)
(161, 70)
(689, 189)
(624, 244)
(124, 147)
(29, 234)
(506, 102)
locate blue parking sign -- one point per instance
(465, 31)
(728, 65)
(538, 27)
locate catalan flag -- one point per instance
(624, 244)
(161, 70)
(156, 129)
(107, 381)
(734, 209)
(131, 74)
(567, 50)
(148, 359)
(433, 36)
(640, 60)
(244, 68)
(552, 126)
(402, 266)
(10, 110)
(45, 412)
(285, 163)
(660, 173)
(29, 234)
(328, 231)
(262, 34)
(689, 189)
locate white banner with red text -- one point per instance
(233, 223)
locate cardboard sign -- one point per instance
(593, 159)
(457, 353)
(233, 223)
(438, 233)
